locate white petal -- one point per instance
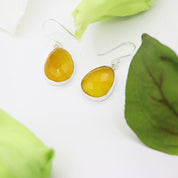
(11, 12)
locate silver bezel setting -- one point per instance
(106, 96)
(54, 83)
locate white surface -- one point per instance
(91, 140)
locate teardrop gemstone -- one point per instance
(59, 65)
(98, 82)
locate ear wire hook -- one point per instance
(57, 43)
(115, 62)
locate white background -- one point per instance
(91, 139)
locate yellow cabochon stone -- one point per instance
(98, 82)
(59, 65)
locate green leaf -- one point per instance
(22, 154)
(151, 108)
(90, 11)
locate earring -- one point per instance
(59, 65)
(98, 84)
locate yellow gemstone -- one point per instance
(98, 82)
(59, 65)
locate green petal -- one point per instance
(22, 154)
(90, 11)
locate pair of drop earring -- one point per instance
(97, 84)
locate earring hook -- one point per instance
(57, 43)
(115, 62)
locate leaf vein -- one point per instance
(163, 100)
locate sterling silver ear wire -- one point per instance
(115, 62)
